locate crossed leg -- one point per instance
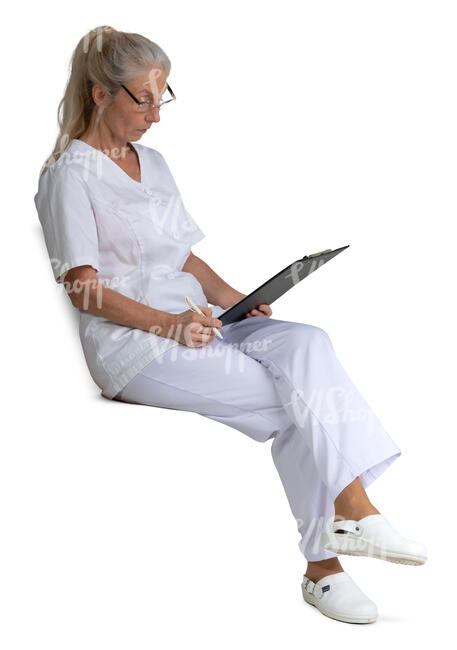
(280, 380)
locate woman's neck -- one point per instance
(102, 138)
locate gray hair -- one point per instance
(107, 57)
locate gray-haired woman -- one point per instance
(119, 239)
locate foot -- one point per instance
(337, 596)
(373, 536)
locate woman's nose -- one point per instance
(155, 114)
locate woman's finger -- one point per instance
(263, 310)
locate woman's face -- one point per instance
(121, 114)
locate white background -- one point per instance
(298, 126)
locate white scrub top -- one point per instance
(136, 235)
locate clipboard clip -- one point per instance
(327, 250)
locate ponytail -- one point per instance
(106, 57)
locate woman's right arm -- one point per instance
(87, 294)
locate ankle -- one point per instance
(317, 570)
(355, 513)
(315, 576)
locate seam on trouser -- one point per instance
(313, 414)
(212, 399)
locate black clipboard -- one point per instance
(279, 284)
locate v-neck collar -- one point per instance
(124, 173)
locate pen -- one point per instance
(197, 309)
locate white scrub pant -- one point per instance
(279, 379)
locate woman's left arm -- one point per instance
(216, 289)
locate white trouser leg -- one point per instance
(308, 496)
(336, 434)
(281, 380)
(345, 437)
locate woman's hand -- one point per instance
(192, 329)
(262, 310)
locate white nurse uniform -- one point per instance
(270, 379)
(136, 235)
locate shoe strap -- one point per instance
(309, 585)
(315, 589)
(349, 525)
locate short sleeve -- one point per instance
(67, 219)
(194, 233)
(188, 227)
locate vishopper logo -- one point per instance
(355, 543)
(63, 142)
(311, 542)
(236, 355)
(311, 531)
(330, 406)
(98, 39)
(298, 266)
(151, 85)
(67, 157)
(86, 286)
(93, 160)
(169, 215)
(90, 158)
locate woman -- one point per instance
(119, 239)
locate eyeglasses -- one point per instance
(142, 107)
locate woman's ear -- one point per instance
(100, 96)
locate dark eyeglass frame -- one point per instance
(173, 96)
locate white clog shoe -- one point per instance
(338, 597)
(372, 536)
